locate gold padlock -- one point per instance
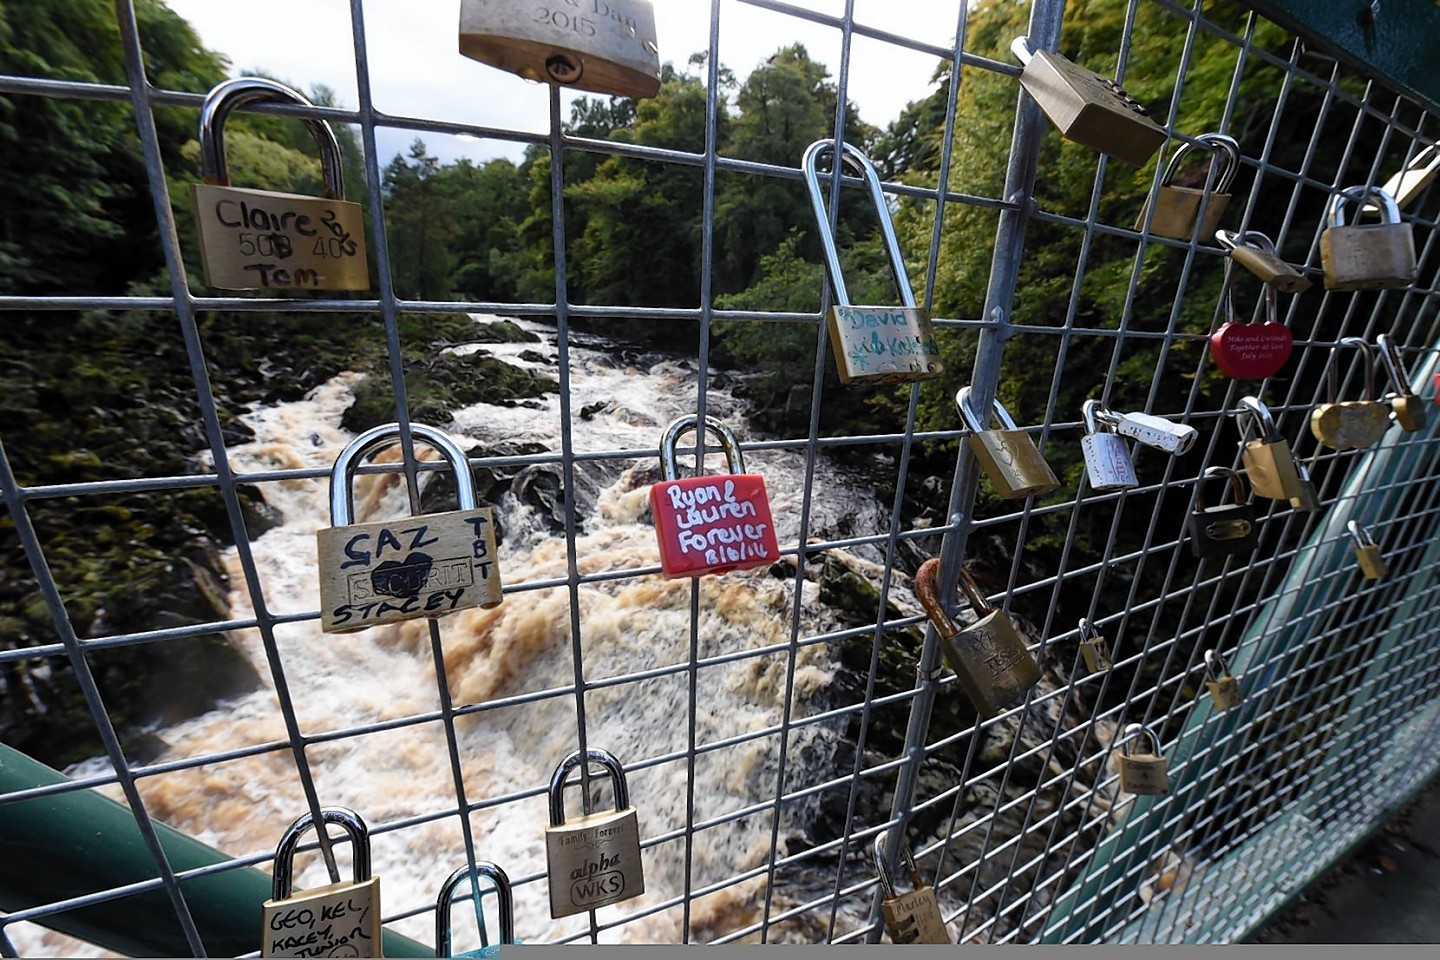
(1406, 408)
(261, 240)
(1142, 774)
(337, 920)
(595, 860)
(1223, 686)
(1369, 256)
(912, 917)
(1267, 458)
(1093, 649)
(1256, 252)
(1177, 209)
(1009, 457)
(1411, 180)
(1367, 552)
(1306, 498)
(1351, 424)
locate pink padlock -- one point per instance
(710, 524)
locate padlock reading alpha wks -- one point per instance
(912, 917)
(337, 920)
(594, 860)
(500, 880)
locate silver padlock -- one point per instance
(1368, 256)
(501, 881)
(1223, 686)
(1164, 435)
(1107, 459)
(337, 920)
(595, 860)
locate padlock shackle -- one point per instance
(883, 872)
(501, 881)
(1332, 373)
(1135, 729)
(230, 94)
(1216, 668)
(1223, 148)
(856, 160)
(1094, 414)
(602, 757)
(670, 467)
(1087, 630)
(1237, 486)
(1230, 240)
(283, 881)
(928, 595)
(1394, 365)
(974, 421)
(1378, 196)
(1360, 534)
(1259, 414)
(342, 475)
(1020, 46)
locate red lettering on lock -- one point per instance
(713, 524)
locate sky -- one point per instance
(416, 69)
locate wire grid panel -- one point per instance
(763, 768)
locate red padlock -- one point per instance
(710, 524)
(1251, 351)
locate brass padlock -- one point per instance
(1367, 552)
(1223, 686)
(1406, 408)
(1177, 209)
(1256, 252)
(1088, 108)
(391, 570)
(262, 240)
(595, 860)
(912, 917)
(1306, 498)
(1093, 649)
(1142, 774)
(1351, 424)
(1009, 457)
(1411, 180)
(1267, 458)
(871, 344)
(1369, 256)
(337, 920)
(501, 882)
(1224, 529)
(989, 657)
(605, 46)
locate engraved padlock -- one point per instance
(1406, 408)
(1267, 458)
(989, 657)
(1177, 209)
(1256, 252)
(594, 860)
(1350, 424)
(337, 920)
(604, 46)
(1250, 351)
(710, 524)
(1227, 527)
(1164, 435)
(262, 240)
(1107, 459)
(1088, 108)
(506, 908)
(1224, 687)
(871, 344)
(1410, 181)
(404, 569)
(1093, 649)
(1367, 256)
(912, 917)
(1142, 774)
(1367, 552)
(1008, 456)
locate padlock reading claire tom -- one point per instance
(912, 917)
(338, 920)
(593, 860)
(500, 880)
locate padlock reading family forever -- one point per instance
(871, 344)
(412, 567)
(1177, 209)
(261, 240)
(500, 880)
(912, 917)
(337, 920)
(593, 860)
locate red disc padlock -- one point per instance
(710, 524)
(1251, 351)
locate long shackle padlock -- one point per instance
(1226, 528)
(1410, 181)
(1093, 648)
(340, 919)
(1350, 424)
(262, 240)
(1256, 252)
(912, 917)
(1368, 256)
(1250, 351)
(419, 566)
(1267, 457)
(1008, 456)
(871, 344)
(506, 902)
(1177, 209)
(1142, 774)
(1406, 408)
(1367, 552)
(595, 860)
(1223, 685)
(1107, 459)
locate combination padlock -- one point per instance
(989, 657)
(1088, 108)
(1107, 460)
(595, 860)
(1142, 774)
(1093, 649)
(1226, 528)
(1177, 209)
(912, 917)
(710, 524)
(1411, 180)
(1350, 424)
(419, 566)
(1367, 552)
(1267, 458)
(1250, 351)
(1406, 408)
(1008, 456)
(1162, 434)
(871, 344)
(506, 905)
(1256, 252)
(604, 46)
(337, 920)
(1223, 686)
(262, 240)
(1368, 256)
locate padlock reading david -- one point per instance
(1406, 408)
(1250, 351)
(337, 920)
(593, 860)
(1225, 528)
(1350, 424)
(410, 567)
(1107, 459)
(1142, 773)
(1093, 649)
(989, 657)
(871, 344)
(1009, 457)
(1088, 108)
(711, 524)
(1367, 256)
(912, 917)
(1177, 209)
(262, 240)
(1223, 685)
(1256, 252)
(604, 46)
(1367, 552)
(1267, 457)
(506, 908)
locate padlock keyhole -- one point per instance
(562, 69)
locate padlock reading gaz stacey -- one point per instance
(1256, 252)
(605, 46)
(1250, 351)
(1350, 424)
(338, 920)
(1406, 408)
(1223, 686)
(501, 881)
(260, 240)
(1093, 649)
(1142, 774)
(1107, 460)
(1177, 209)
(1267, 458)
(1367, 256)
(1367, 552)
(594, 860)
(1226, 528)
(1009, 457)
(710, 524)
(871, 344)
(912, 917)
(404, 569)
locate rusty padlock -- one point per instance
(503, 895)
(1256, 252)
(1223, 686)
(1008, 456)
(1406, 408)
(1177, 209)
(1267, 458)
(1350, 424)
(912, 917)
(1093, 649)
(594, 860)
(337, 920)
(1143, 774)
(1367, 256)
(1367, 552)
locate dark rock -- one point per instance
(502, 331)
